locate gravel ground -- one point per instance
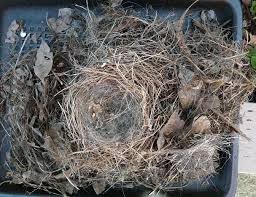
(246, 185)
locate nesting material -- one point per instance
(128, 100)
(100, 111)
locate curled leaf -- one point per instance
(201, 125)
(185, 75)
(174, 125)
(63, 21)
(65, 14)
(160, 141)
(99, 186)
(11, 36)
(44, 61)
(34, 38)
(208, 15)
(34, 176)
(115, 3)
(2, 105)
(214, 85)
(189, 95)
(246, 2)
(210, 102)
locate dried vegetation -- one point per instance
(120, 99)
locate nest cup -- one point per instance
(104, 111)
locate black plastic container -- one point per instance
(33, 12)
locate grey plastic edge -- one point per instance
(238, 22)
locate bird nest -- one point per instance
(103, 110)
(124, 101)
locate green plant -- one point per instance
(253, 8)
(252, 55)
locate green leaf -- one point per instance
(253, 8)
(252, 52)
(253, 62)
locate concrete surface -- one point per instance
(247, 149)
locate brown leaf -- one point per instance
(247, 2)
(44, 61)
(252, 39)
(214, 85)
(201, 125)
(21, 74)
(115, 3)
(49, 144)
(70, 189)
(185, 75)
(189, 95)
(62, 23)
(210, 102)
(42, 115)
(11, 36)
(14, 26)
(34, 38)
(32, 176)
(174, 125)
(37, 132)
(99, 186)
(2, 105)
(160, 141)
(66, 15)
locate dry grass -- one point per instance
(99, 119)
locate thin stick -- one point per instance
(21, 49)
(70, 181)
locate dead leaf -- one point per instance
(44, 61)
(189, 95)
(2, 105)
(174, 125)
(50, 145)
(208, 15)
(39, 87)
(57, 25)
(210, 102)
(54, 141)
(37, 132)
(201, 125)
(99, 186)
(14, 26)
(160, 141)
(11, 36)
(33, 176)
(42, 116)
(211, 15)
(66, 15)
(8, 156)
(21, 74)
(62, 23)
(185, 75)
(53, 132)
(214, 85)
(252, 39)
(115, 3)
(34, 38)
(247, 2)
(70, 189)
